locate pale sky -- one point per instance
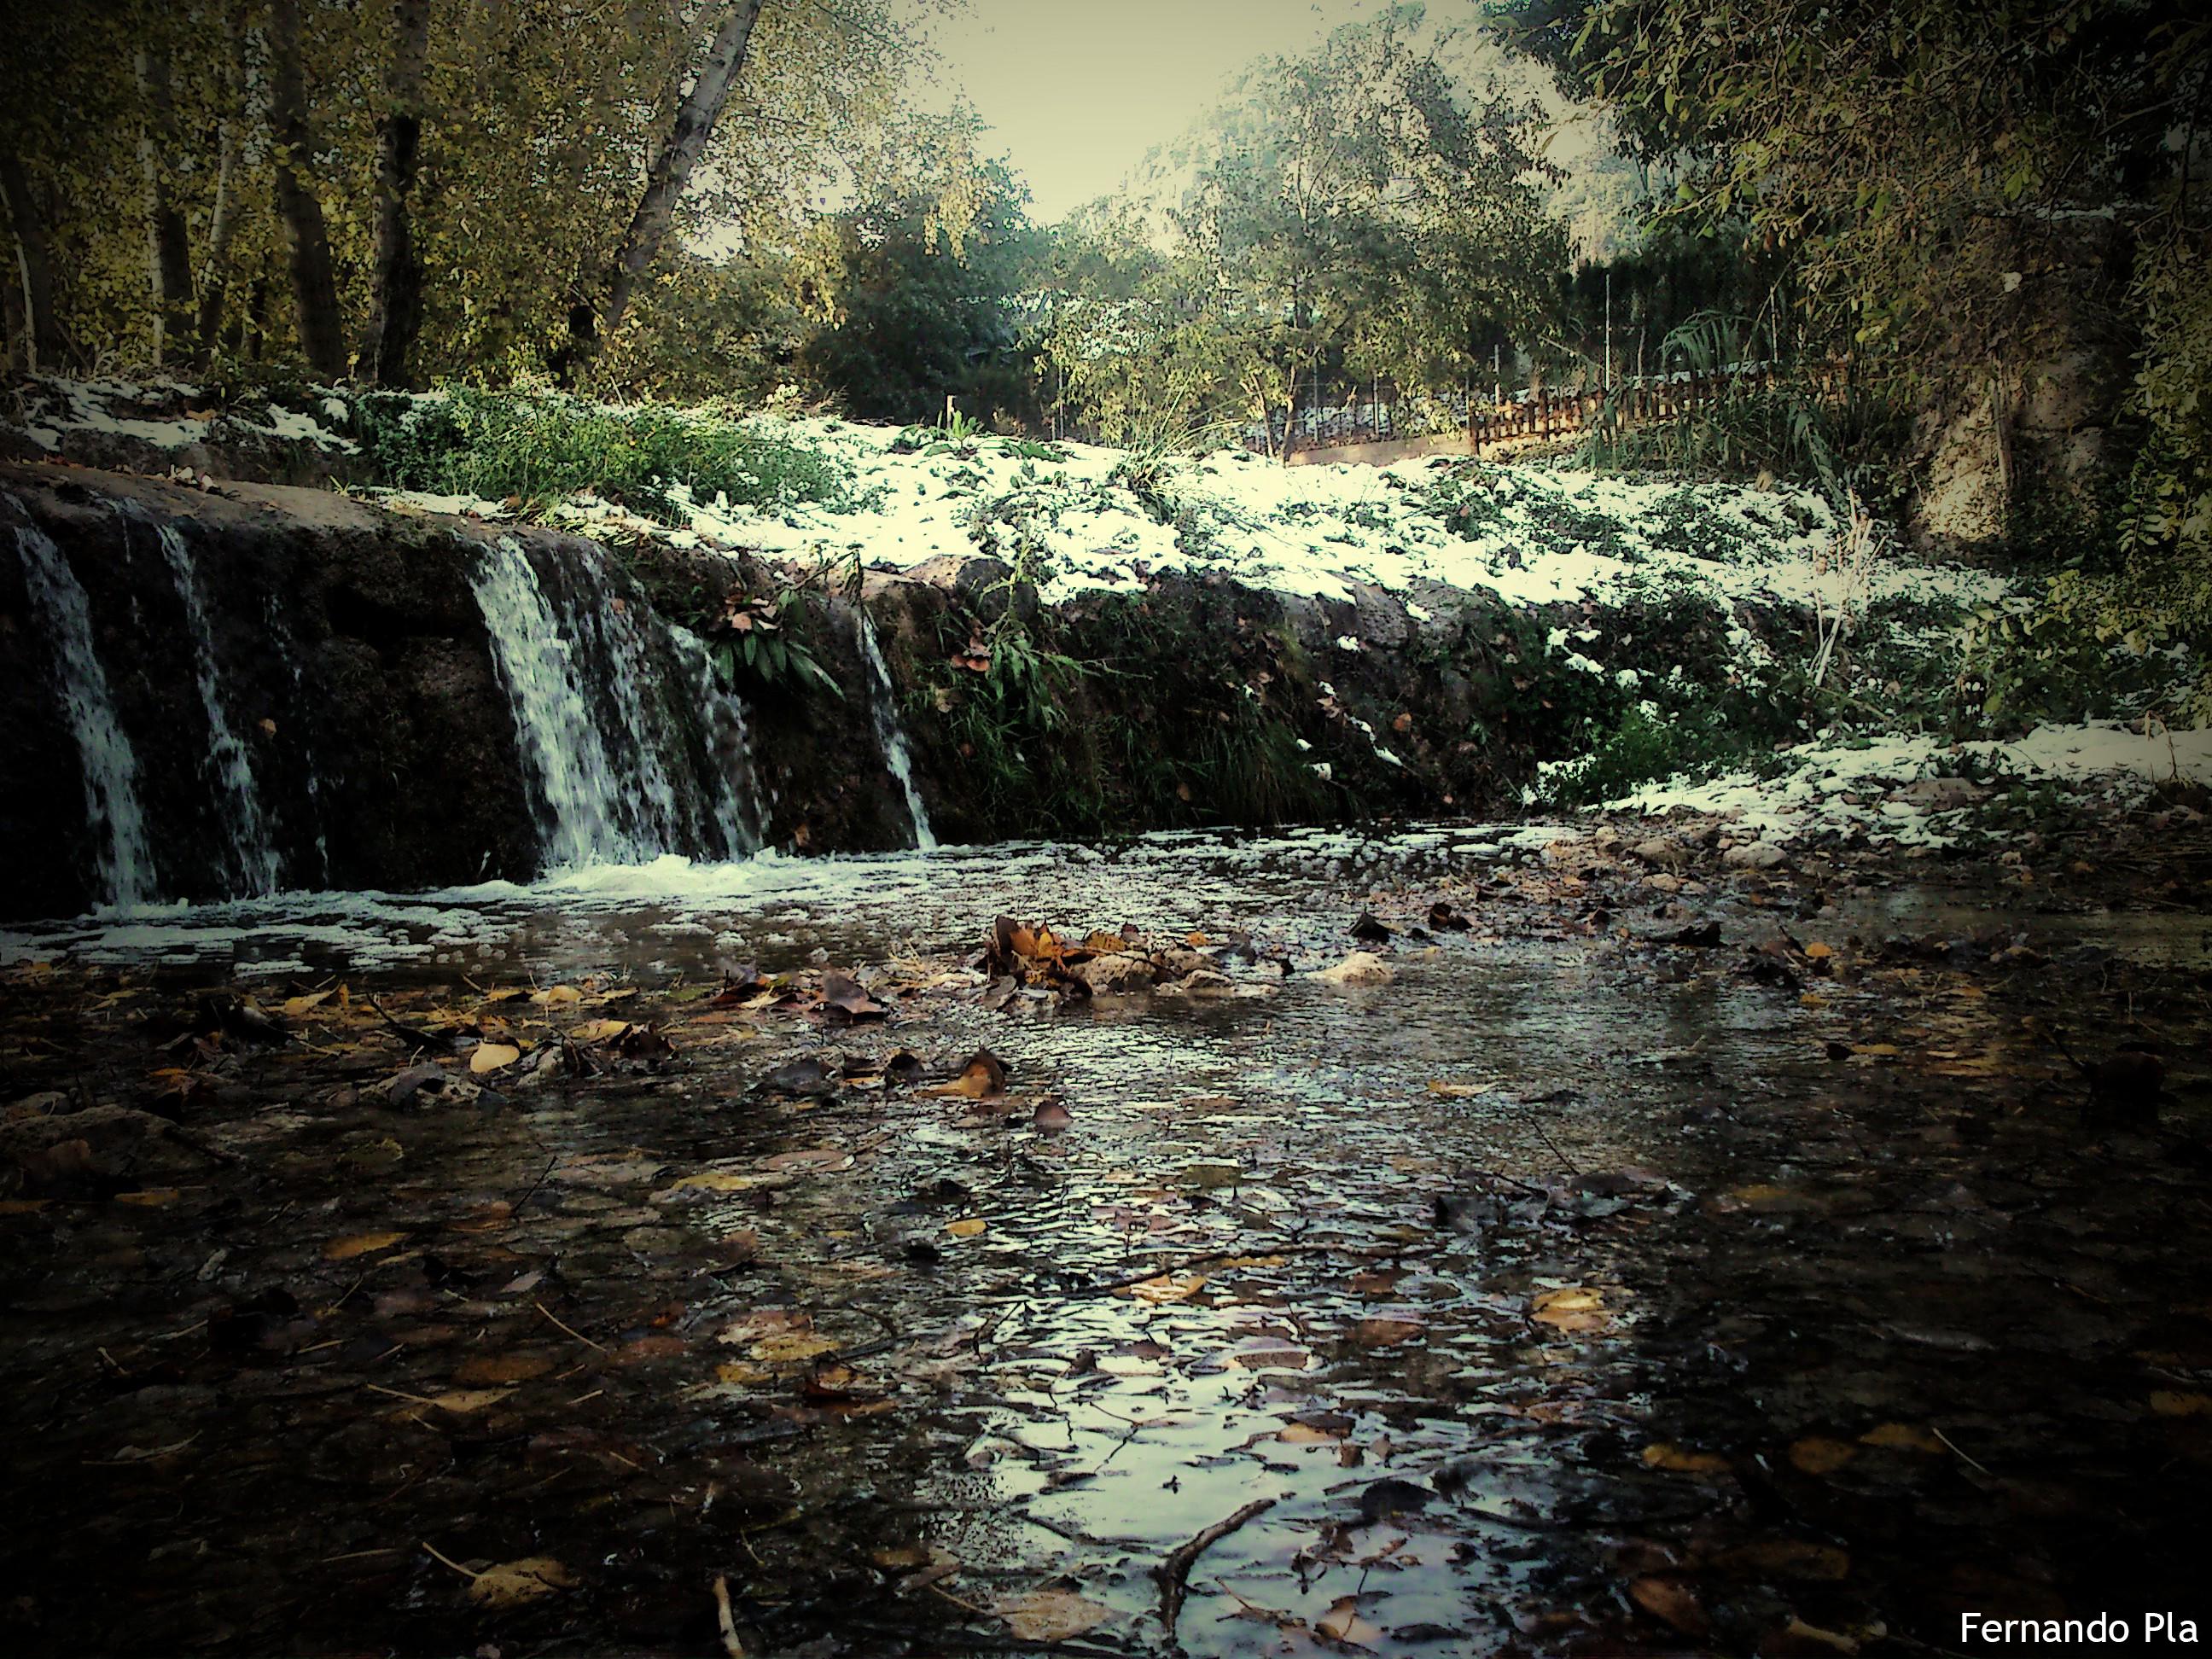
(1077, 91)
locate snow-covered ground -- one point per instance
(1533, 536)
(1087, 518)
(1923, 790)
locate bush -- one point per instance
(538, 449)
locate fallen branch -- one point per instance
(1174, 1573)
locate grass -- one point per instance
(535, 450)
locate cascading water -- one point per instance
(580, 817)
(288, 652)
(890, 736)
(250, 852)
(742, 817)
(114, 821)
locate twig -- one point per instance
(1174, 1573)
(1962, 1457)
(571, 1329)
(444, 1560)
(726, 1619)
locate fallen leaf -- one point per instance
(152, 1198)
(1049, 1615)
(345, 1249)
(983, 1077)
(1673, 1603)
(966, 1229)
(814, 1160)
(1675, 1460)
(513, 1583)
(491, 1056)
(1816, 1455)
(1902, 1437)
(296, 1007)
(1342, 1622)
(1169, 1287)
(2168, 1403)
(1573, 1308)
(556, 993)
(597, 1030)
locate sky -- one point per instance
(1077, 91)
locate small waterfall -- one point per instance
(579, 819)
(890, 736)
(742, 817)
(114, 821)
(288, 652)
(616, 651)
(251, 854)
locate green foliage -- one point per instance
(772, 655)
(537, 449)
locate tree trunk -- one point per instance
(42, 334)
(314, 280)
(590, 324)
(169, 257)
(222, 226)
(396, 305)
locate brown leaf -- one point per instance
(513, 1583)
(1673, 1603)
(983, 1077)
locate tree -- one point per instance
(600, 313)
(314, 280)
(168, 257)
(396, 299)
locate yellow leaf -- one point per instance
(1674, 1460)
(1169, 1287)
(2167, 1403)
(152, 1198)
(491, 1056)
(297, 1007)
(598, 1030)
(1817, 1454)
(1901, 1436)
(967, 1229)
(513, 1583)
(1817, 951)
(556, 993)
(788, 1347)
(345, 1249)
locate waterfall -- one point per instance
(890, 736)
(288, 652)
(251, 855)
(580, 816)
(114, 821)
(743, 819)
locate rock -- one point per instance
(1361, 967)
(1659, 851)
(1116, 975)
(1753, 855)
(1206, 982)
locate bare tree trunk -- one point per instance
(169, 257)
(222, 226)
(314, 280)
(395, 315)
(589, 323)
(42, 336)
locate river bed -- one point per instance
(1568, 1290)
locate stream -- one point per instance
(1568, 1291)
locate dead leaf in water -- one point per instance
(513, 1583)
(1817, 1454)
(1342, 1622)
(1571, 1308)
(2168, 1403)
(1673, 1603)
(1675, 1460)
(345, 1249)
(1049, 1615)
(983, 1077)
(1168, 1287)
(969, 1228)
(1902, 1437)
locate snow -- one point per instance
(1918, 790)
